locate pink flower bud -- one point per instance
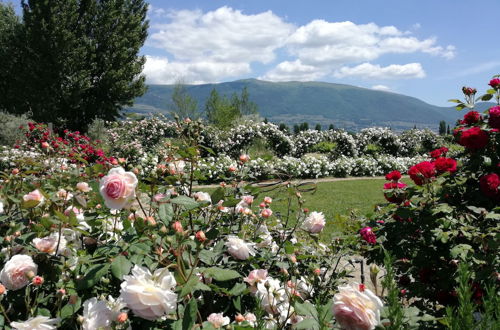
(37, 280)
(268, 200)
(122, 317)
(266, 213)
(200, 236)
(45, 145)
(15, 171)
(239, 318)
(2, 289)
(177, 227)
(244, 158)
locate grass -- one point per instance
(337, 200)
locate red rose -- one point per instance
(494, 120)
(471, 118)
(368, 235)
(393, 176)
(495, 83)
(422, 172)
(469, 91)
(444, 164)
(489, 185)
(474, 138)
(395, 197)
(438, 152)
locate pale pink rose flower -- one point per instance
(78, 212)
(48, 244)
(118, 188)
(83, 187)
(218, 320)
(255, 276)
(268, 200)
(314, 223)
(14, 273)
(64, 195)
(35, 195)
(356, 310)
(266, 213)
(36, 323)
(248, 199)
(239, 249)
(176, 167)
(244, 158)
(251, 318)
(202, 197)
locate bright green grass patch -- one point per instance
(338, 200)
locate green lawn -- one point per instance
(337, 200)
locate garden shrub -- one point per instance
(10, 133)
(450, 217)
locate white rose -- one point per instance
(149, 296)
(218, 320)
(118, 188)
(49, 243)
(202, 197)
(14, 273)
(100, 314)
(1, 208)
(354, 309)
(36, 323)
(314, 223)
(83, 187)
(239, 249)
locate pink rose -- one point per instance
(356, 310)
(255, 276)
(266, 213)
(83, 187)
(118, 188)
(35, 195)
(15, 273)
(314, 223)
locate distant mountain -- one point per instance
(345, 106)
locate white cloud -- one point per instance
(224, 43)
(159, 70)
(293, 71)
(333, 43)
(223, 35)
(382, 88)
(371, 71)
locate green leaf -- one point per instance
(455, 101)
(166, 213)
(238, 289)
(306, 309)
(217, 195)
(185, 201)
(190, 314)
(486, 97)
(307, 324)
(189, 286)
(70, 309)
(221, 274)
(120, 266)
(461, 250)
(93, 275)
(289, 248)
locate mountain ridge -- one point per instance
(292, 102)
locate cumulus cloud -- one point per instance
(332, 43)
(223, 35)
(371, 71)
(293, 71)
(159, 70)
(224, 43)
(382, 88)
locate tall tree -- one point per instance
(246, 106)
(82, 58)
(318, 127)
(11, 83)
(183, 104)
(221, 111)
(442, 127)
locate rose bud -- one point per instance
(45, 145)
(122, 317)
(2, 289)
(317, 271)
(244, 158)
(268, 200)
(200, 236)
(262, 205)
(239, 318)
(37, 281)
(15, 171)
(61, 292)
(151, 221)
(177, 227)
(232, 169)
(266, 213)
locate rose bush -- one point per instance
(450, 216)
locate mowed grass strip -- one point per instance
(336, 199)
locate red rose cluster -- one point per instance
(490, 184)
(394, 190)
(422, 173)
(72, 145)
(495, 83)
(469, 91)
(368, 235)
(494, 117)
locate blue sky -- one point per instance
(427, 49)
